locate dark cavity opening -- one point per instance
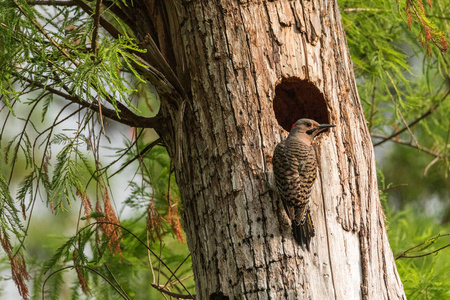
(296, 99)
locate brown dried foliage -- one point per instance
(82, 280)
(409, 13)
(24, 210)
(422, 9)
(86, 204)
(109, 230)
(154, 222)
(444, 43)
(18, 267)
(20, 274)
(174, 220)
(427, 30)
(409, 19)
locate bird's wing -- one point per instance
(281, 163)
(294, 167)
(302, 179)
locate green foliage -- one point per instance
(9, 219)
(60, 57)
(68, 176)
(422, 277)
(405, 92)
(56, 154)
(130, 271)
(403, 82)
(388, 56)
(100, 74)
(410, 185)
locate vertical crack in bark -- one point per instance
(384, 264)
(246, 241)
(264, 165)
(233, 250)
(364, 261)
(202, 216)
(266, 251)
(230, 101)
(326, 223)
(303, 38)
(252, 70)
(281, 221)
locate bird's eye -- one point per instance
(308, 124)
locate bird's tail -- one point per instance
(304, 231)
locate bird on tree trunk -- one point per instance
(295, 168)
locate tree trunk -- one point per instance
(251, 68)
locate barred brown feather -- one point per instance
(295, 168)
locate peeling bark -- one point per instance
(230, 56)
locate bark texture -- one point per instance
(233, 58)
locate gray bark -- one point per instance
(230, 56)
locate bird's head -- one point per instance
(307, 129)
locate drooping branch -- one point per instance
(140, 154)
(98, 6)
(409, 144)
(420, 118)
(122, 14)
(134, 120)
(113, 31)
(432, 240)
(163, 85)
(179, 266)
(145, 245)
(372, 107)
(124, 296)
(359, 9)
(52, 2)
(125, 115)
(39, 27)
(163, 290)
(162, 76)
(119, 290)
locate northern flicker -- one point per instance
(295, 168)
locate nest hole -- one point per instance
(296, 99)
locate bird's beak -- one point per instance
(320, 128)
